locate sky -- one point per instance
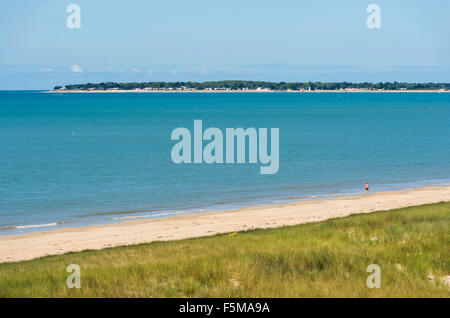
(199, 40)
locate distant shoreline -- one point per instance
(245, 91)
(232, 86)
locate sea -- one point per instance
(79, 159)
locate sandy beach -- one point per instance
(60, 241)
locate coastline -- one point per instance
(59, 241)
(244, 91)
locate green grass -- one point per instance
(326, 259)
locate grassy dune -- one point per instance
(326, 259)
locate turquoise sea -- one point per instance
(80, 159)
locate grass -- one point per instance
(325, 259)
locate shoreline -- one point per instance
(244, 91)
(118, 216)
(74, 239)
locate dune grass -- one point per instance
(325, 259)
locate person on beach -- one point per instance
(366, 187)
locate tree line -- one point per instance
(253, 85)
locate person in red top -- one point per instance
(367, 187)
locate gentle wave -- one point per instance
(31, 226)
(107, 213)
(133, 217)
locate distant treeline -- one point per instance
(252, 85)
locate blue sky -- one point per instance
(147, 40)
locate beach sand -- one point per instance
(59, 241)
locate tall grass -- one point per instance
(325, 259)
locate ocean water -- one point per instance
(81, 159)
